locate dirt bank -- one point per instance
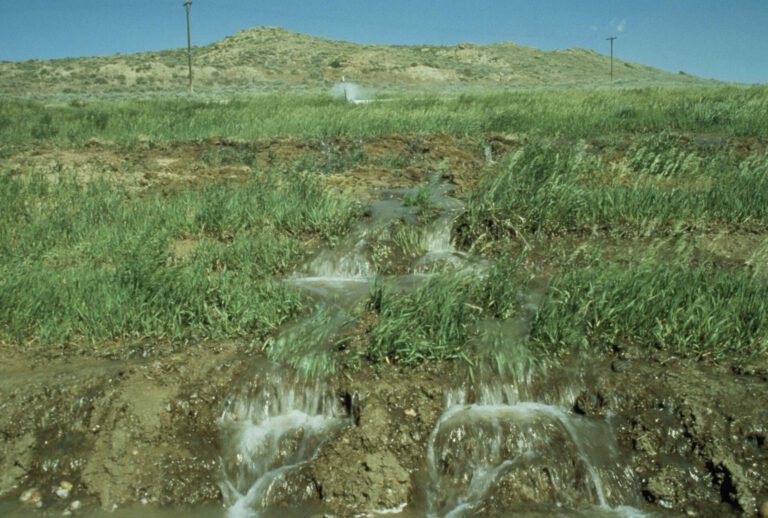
(125, 431)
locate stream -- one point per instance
(493, 442)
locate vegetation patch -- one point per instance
(683, 307)
(551, 188)
(90, 262)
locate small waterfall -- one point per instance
(269, 436)
(498, 447)
(528, 454)
(439, 247)
(344, 263)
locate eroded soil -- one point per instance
(124, 431)
(135, 425)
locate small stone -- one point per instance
(410, 412)
(75, 505)
(62, 493)
(31, 496)
(66, 512)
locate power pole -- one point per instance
(611, 39)
(187, 6)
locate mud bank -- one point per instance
(143, 431)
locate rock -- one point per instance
(64, 489)
(664, 488)
(75, 505)
(32, 496)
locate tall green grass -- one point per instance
(429, 324)
(676, 305)
(311, 344)
(553, 188)
(572, 113)
(437, 320)
(90, 262)
(662, 299)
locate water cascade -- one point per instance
(495, 448)
(501, 451)
(270, 432)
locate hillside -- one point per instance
(271, 59)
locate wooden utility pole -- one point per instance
(611, 39)
(187, 6)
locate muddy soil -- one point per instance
(118, 430)
(126, 431)
(352, 165)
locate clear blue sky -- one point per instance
(720, 39)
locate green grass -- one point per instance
(663, 299)
(309, 345)
(429, 324)
(574, 113)
(436, 321)
(555, 188)
(676, 305)
(89, 262)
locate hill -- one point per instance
(272, 59)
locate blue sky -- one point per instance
(720, 39)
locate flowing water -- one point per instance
(270, 432)
(495, 446)
(529, 451)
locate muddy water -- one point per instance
(566, 460)
(273, 430)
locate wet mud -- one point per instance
(144, 431)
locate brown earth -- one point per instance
(128, 430)
(352, 165)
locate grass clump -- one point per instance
(309, 345)
(549, 188)
(686, 308)
(89, 262)
(432, 323)
(437, 321)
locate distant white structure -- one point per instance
(350, 92)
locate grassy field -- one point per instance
(654, 170)
(602, 114)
